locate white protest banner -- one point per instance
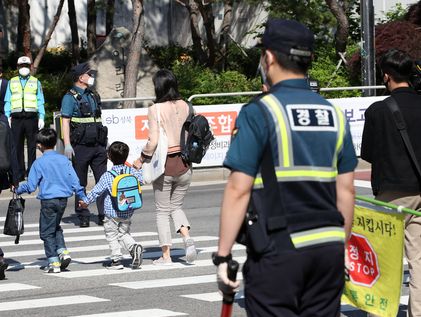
(131, 126)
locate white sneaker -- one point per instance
(162, 261)
(191, 253)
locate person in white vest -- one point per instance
(24, 108)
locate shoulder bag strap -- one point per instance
(401, 126)
(183, 128)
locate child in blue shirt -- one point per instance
(117, 227)
(57, 180)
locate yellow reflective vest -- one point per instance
(24, 98)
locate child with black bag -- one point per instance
(119, 205)
(57, 180)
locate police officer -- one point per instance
(85, 138)
(292, 162)
(24, 108)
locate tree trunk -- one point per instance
(225, 29)
(133, 58)
(199, 53)
(91, 27)
(24, 29)
(209, 23)
(74, 31)
(109, 16)
(341, 36)
(47, 38)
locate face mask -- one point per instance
(91, 81)
(24, 71)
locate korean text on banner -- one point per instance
(375, 251)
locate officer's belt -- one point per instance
(85, 120)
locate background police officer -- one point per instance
(292, 158)
(24, 107)
(85, 138)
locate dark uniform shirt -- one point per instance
(70, 106)
(311, 145)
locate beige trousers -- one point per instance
(412, 245)
(169, 194)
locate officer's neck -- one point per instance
(81, 85)
(282, 74)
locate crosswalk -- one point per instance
(89, 251)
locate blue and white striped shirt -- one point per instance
(105, 183)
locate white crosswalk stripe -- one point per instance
(74, 239)
(138, 313)
(197, 279)
(98, 247)
(102, 259)
(9, 287)
(50, 302)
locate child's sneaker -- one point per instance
(137, 255)
(3, 267)
(53, 267)
(191, 253)
(65, 259)
(162, 261)
(115, 265)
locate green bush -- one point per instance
(164, 57)
(54, 87)
(324, 71)
(194, 79)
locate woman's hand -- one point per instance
(137, 164)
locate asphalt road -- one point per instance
(88, 289)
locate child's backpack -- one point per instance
(199, 136)
(4, 147)
(126, 193)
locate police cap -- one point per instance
(289, 37)
(24, 60)
(80, 69)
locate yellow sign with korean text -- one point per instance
(375, 252)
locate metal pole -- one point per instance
(368, 56)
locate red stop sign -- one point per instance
(363, 266)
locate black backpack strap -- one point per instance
(401, 126)
(186, 125)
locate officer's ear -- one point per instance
(269, 58)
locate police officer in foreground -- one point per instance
(24, 108)
(292, 167)
(85, 138)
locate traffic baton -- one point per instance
(228, 299)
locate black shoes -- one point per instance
(3, 267)
(84, 222)
(114, 265)
(101, 220)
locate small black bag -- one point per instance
(13, 226)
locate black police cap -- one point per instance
(289, 37)
(80, 69)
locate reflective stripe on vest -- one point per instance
(85, 120)
(317, 236)
(25, 97)
(286, 171)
